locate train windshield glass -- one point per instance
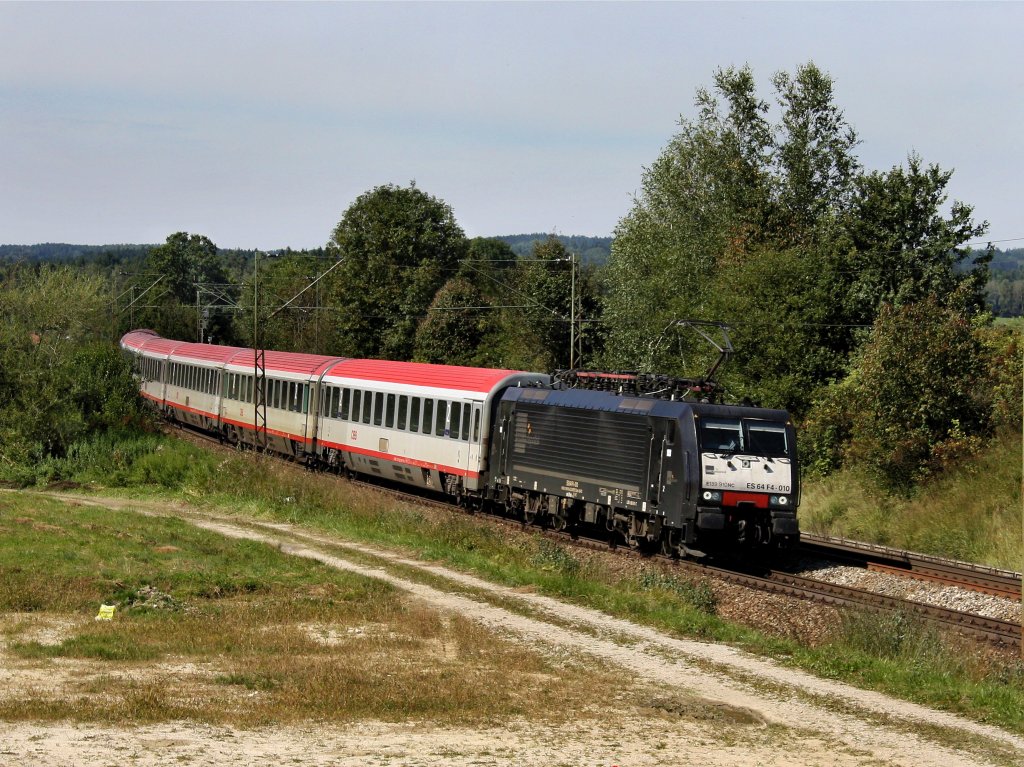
(768, 439)
(719, 435)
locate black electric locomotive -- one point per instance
(685, 477)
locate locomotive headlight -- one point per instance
(712, 495)
(779, 500)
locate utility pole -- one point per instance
(259, 364)
(572, 314)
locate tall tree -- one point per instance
(777, 230)
(185, 263)
(902, 246)
(398, 246)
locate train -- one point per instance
(685, 477)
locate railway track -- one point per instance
(980, 578)
(986, 580)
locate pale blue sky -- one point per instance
(259, 124)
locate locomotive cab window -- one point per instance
(767, 439)
(721, 436)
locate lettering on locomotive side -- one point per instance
(571, 488)
(767, 487)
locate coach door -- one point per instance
(473, 430)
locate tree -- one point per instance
(60, 377)
(184, 262)
(903, 249)
(728, 186)
(917, 397)
(779, 232)
(454, 328)
(399, 245)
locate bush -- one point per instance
(915, 402)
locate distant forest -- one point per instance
(594, 250)
(1005, 286)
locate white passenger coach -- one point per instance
(414, 423)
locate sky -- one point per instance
(259, 124)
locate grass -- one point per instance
(972, 513)
(264, 637)
(921, 666)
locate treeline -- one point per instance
(853, 295)
(1005, 288)
(592, 250)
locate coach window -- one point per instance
(414, 414)
(367, 406)
(442, 416)
(389, 413)
(250, 388)
(305, 399)
(378, 409)
(346, 397)
(403, 409)
(357, 399)
(465, 422)
(476, 424)
(428, 416)
(456, 420)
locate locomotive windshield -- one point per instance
(753, 437)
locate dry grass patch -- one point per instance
(239, 633)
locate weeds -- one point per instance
(698, 594)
